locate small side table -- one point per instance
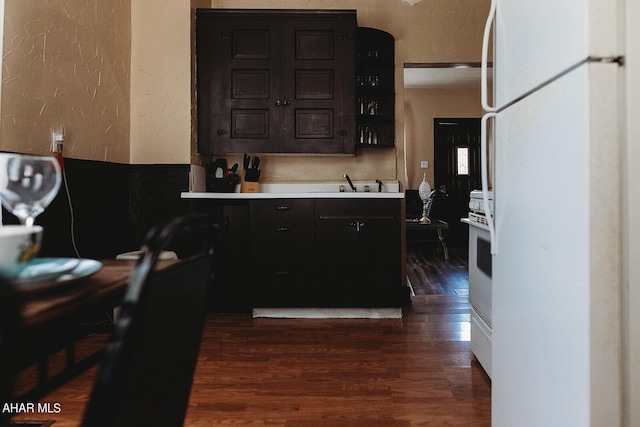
(438, 226)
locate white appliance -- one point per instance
(480, 272)
(556, 323)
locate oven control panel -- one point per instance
(477, 211)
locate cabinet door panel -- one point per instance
(320, 117)
(379, 260)
(250, 44)
(250, 124)
(314, 124)
(250, 84)
(314, 44)
(314, 84)
(336, 258)
(249, 55)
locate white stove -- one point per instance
(480, 263)
(477, 211)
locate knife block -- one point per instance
(249, 186)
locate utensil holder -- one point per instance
(223, 185)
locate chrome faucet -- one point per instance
(353, 188)
(380, 184)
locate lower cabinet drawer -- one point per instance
(282, 242)
(281, 208)
(357, 208)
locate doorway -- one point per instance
(456, 150)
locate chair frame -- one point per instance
(9, 337)
(145, 380)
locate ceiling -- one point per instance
(442, 76)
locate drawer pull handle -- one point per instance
(282, 208)
(282, 229)
(281, 273)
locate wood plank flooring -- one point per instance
(415, 371)
(430, 274)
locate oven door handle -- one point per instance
(484, 176)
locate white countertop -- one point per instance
(238, 196)
(307, 190)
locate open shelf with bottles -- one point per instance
(375, 88)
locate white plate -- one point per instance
(65, 273)
(42, 269)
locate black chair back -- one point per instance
(148, 368)
(9, 336)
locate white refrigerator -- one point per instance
(556, 226)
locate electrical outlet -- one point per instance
(424, 164)
(57, 138)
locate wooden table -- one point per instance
(50, 322)
(438, 226)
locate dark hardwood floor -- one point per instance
(430, 274)
(414, 371)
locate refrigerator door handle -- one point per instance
(484, 60)
(484, 177)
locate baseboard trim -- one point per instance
(329, 313)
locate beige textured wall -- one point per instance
(78, 64)
(160, 81)
(421, 106)
(66, 64)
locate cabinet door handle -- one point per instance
(221, 132)
(282, 208)
(343, 132)
(277, 103)
(286, 102)
(282, 229)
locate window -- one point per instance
(462, 160)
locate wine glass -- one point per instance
(28, 184)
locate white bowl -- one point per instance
(18, 245)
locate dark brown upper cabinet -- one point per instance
(275, 81)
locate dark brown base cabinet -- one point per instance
(281, 256)
(293, 253)
(275, 81)
(357, 250)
